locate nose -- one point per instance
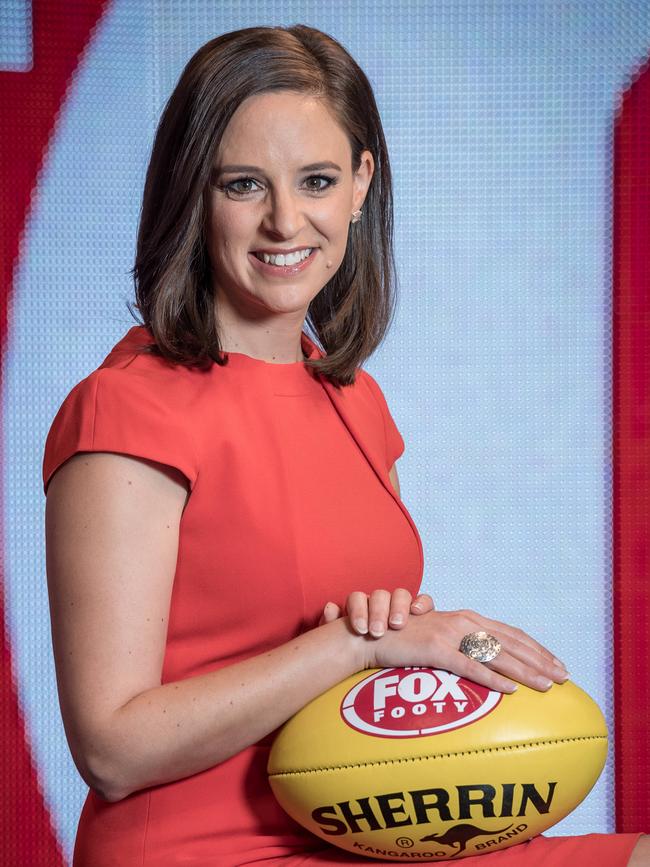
(284, 216)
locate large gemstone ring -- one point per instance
(480, 646)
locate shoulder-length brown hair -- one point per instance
(173, 285)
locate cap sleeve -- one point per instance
(394, 441)
(114, 411)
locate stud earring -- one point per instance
(356, 216)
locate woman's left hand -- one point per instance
(375, 612)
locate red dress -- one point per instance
(291, 505)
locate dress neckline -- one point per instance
(309, 350)
(140, 334)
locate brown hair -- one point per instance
(173, 287)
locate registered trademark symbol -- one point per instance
(404, 842)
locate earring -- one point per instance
(356, 216)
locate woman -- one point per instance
(225, 537)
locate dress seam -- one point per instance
(372, 385)
(146, 828)
(92, 434)
(383, 420)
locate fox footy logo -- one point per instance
(413, 702)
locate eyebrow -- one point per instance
(312, 167)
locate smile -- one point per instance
(284, 258)
(283, 264)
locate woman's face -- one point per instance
(282, 183)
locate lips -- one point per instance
(293, 258)
(282, 270)
(283, 250)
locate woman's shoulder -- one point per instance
(133, 403)
(127, 377)
(131, 354)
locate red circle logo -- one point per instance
(413, 702)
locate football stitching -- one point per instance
(437, 756)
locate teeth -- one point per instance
(285, 259)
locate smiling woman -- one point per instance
(225, 534)
(268, 145)
(274, 236)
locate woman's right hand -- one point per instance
(374, 613)
(433, 639)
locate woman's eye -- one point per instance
(240, 187)
(243, 186)
(316, 187)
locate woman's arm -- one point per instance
(112, 530)
(394, 479)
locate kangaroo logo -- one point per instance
(460, 835)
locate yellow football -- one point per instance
(417, 764)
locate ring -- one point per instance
(480, 646)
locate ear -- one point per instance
(361, 179)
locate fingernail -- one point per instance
(397, 619)
(559, 662)
(564, 676)
(377, 628)
(512, 688)
(361, 626)
(418, 605)
(543, 683)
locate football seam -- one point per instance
(397, 761)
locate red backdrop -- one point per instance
(631, 439)
(29, 104)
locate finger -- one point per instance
(331, 612)
(491, 625)
(517, 670)
(422, 603)
(528, 657)
(538, 662)
(456, 662)
(378, 611)
(400, 606)
(523, 637)
(356, 608)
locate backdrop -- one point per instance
(500, 119)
